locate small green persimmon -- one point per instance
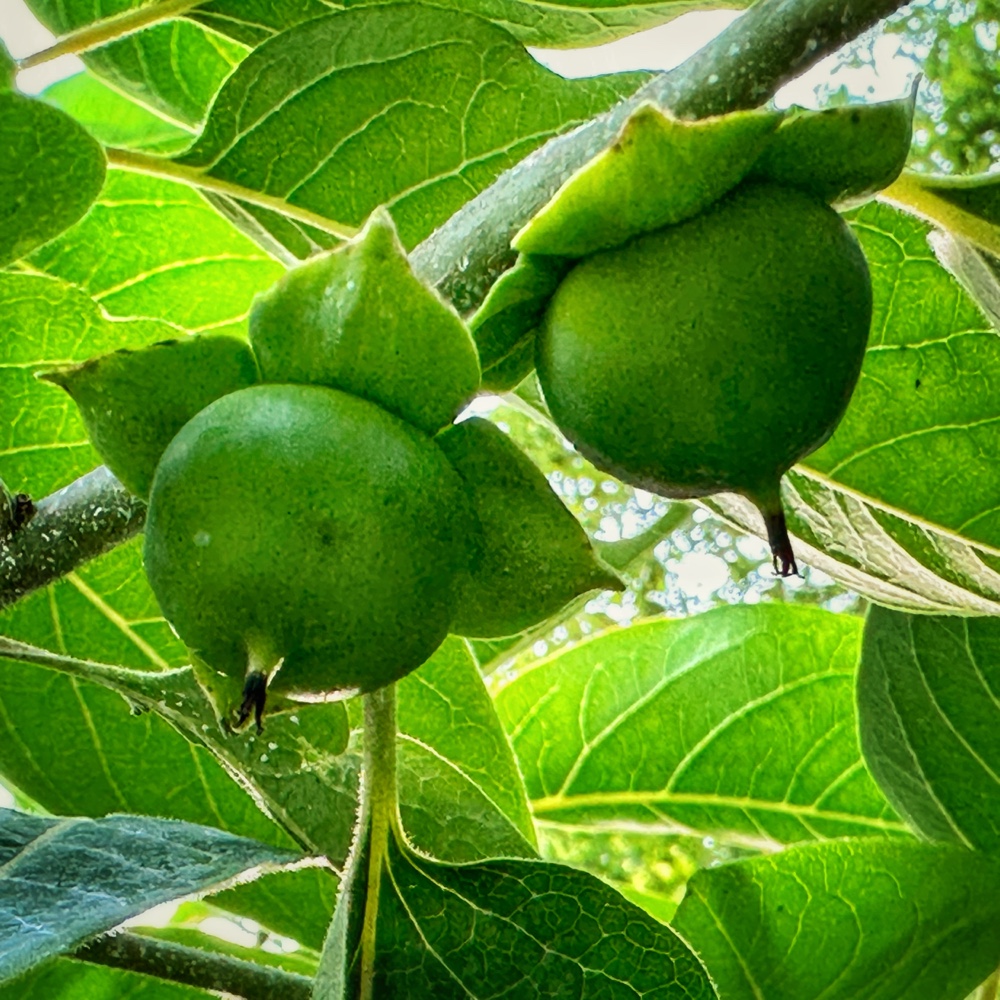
(305, 535)
(712, 355)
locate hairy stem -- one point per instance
(771, 43)
(379, 805)
(194, 967)
(110, 29)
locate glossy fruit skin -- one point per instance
(712, 355)
(304, 523)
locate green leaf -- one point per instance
(571, 25)
(535, 557)
(929, 722)
(658, 172)
(368, 83)
(514, 928)
(883, 920)
(664, 723)
(112, 118)
(175, 67)
(869, 505)
(841, 155)
(978, 272)
(357, 319)
(154, 248)
(505, 324)
(50, 172)
(45, 323)
(461, 794)
(64, 881)
(134, 402)
(8, 69)
(77, 748)
(70, 980)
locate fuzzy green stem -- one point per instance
(161, 166)
(194, 967)
(110, 29)
(379, 805)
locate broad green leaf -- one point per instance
(357, 319)
(878, 919)
(505, 324)
(112, 118)
(51, 170)
(70, 980)
(76, 748)
(134, 402)
(76, 878)
(535, 557)
(658, 172)
(156, 249)
(841, 155)
(496, 928)
(929, 722)
(569, 25)
(175, 67)
(870, 505)
(461, 794)
(397, 100)
(739, 721)
(45, 323)
(8, 69)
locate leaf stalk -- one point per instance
(194, 967)
(109, 29)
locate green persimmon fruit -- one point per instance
(307, 535)
(712, 355)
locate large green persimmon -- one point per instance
(712, 355)
(305, 534)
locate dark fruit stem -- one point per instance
(254, 699)
(782, 556)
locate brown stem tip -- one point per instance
(782, 556)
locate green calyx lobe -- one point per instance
(306, 533)
(713, 329)
(712, 355)
(358, 319)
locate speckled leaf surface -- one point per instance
(497, 928)
(571, 25)
(51, 170)
(740, 720)
(343, 96)
(154, 248)
(76, 878)
(175, 67)
(461, 795)
(871, 919)
(45, 323)
(929, 721)
(900, 504)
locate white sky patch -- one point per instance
(699, 575)
(23, 35)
